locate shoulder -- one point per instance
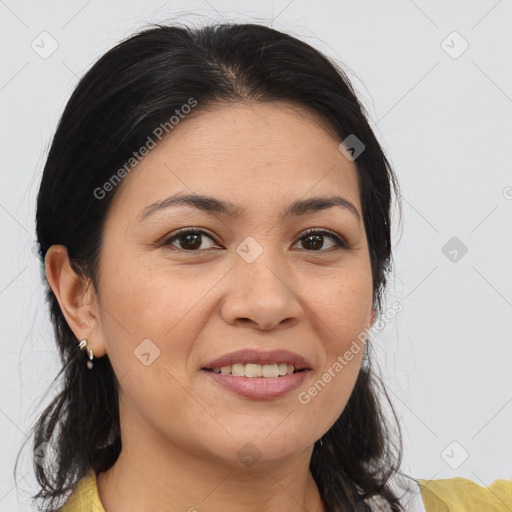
(464, 495)
(84, 497)
(442, 495)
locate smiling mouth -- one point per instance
(250, 370)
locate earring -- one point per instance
(83, 346)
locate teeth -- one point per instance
(270, 370)
(238, 370)
(256, 370)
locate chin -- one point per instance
(260, 450)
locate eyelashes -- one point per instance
(339, 242)
(192, 237)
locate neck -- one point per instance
(153, 474)
(135, 483)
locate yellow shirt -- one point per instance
(449, 495)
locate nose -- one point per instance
(261, 294)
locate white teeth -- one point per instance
(256, 370)
(238, 370)
(253, 370)
(270, 370)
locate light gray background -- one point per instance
(444, 120)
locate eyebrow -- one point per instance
(215, 206)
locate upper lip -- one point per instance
(255, 356)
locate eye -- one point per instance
(314, 238)
(189, 238)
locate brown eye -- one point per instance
(313, 240)
(188, 240)
(191, 240)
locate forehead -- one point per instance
(264, 152)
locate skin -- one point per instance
(181, 433)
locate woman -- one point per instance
(214, 220)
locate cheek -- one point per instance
(152, 309)
(328, 394)
(148, 299)
(342, 305)
(342, 313)
(150, 321)
(342, 309)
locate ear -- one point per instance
(76, 297)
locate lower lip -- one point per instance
(259, 388)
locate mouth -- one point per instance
(254, 370)
(258, 375)
(250, 363)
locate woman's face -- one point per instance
(246, 280)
